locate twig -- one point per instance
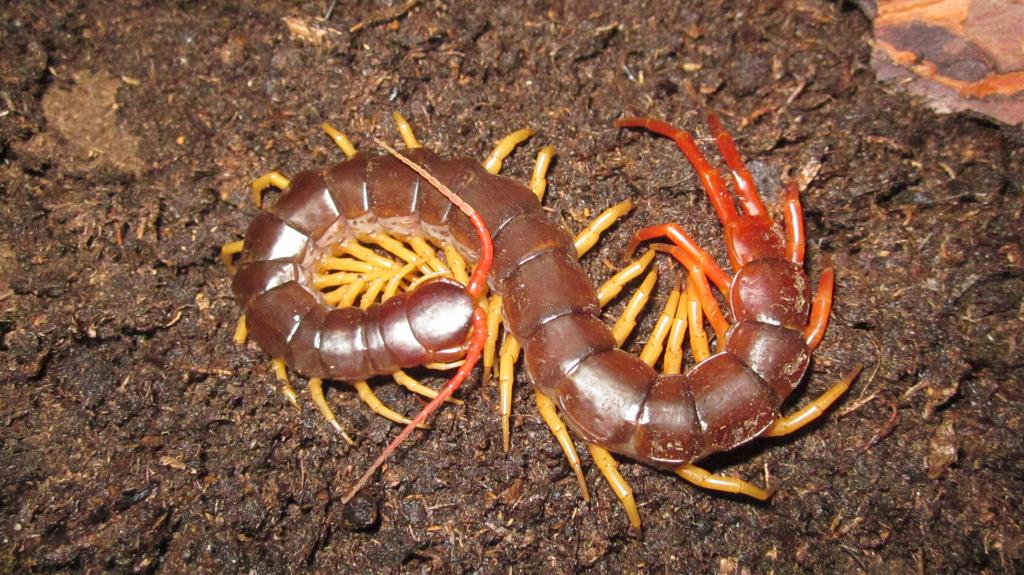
(386, 17)
(884, 431)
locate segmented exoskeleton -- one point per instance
(613, 400)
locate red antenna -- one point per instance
(475, 288)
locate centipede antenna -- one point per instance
(472, 356)
(478, 280)
(475, 288)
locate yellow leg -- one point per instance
(324, 281)
(627, 321)
(655, 343)
(813, 410)
(393, 283)
(425, 251)
(228, 252)
(286, 385)
(336, 264)
(698, 337)
(334, 297)
(241, 331)
(377, 406)
(506, 377)
(350, 293)
(493, 323)
(504, 147)
(702, 290)
(456, 262)
(610, 470)
(406, 131)
(703, 478)
(590, 234)
(372, 291)
(410, 383)
(673, 362)
(357, 250)
(316, 392)
(617, 282)
(340, 140)
(539, 181)
(445, 366)
(547, 410)
(272, 179)
(427, 278)
(364, 273)
(397, 248)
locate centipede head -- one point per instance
(440, 315)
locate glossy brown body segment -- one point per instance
(288, 318)
(607, 396)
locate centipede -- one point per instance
(303, 264)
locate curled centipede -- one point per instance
(613, 400)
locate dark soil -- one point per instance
(136, 437)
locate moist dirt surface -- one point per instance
(135, 436)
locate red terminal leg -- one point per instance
(709, 177)
(475, 288)
(821, 309)
(794, 218)
(679, 237)
(745, 187)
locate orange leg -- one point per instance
(787, 424)
(745, 187)
(702, 290)
(821, 309)
(793, 214)
(709, 177)
(696, 254)
(704, 478)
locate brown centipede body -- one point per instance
(613, 400)
(287, 317)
